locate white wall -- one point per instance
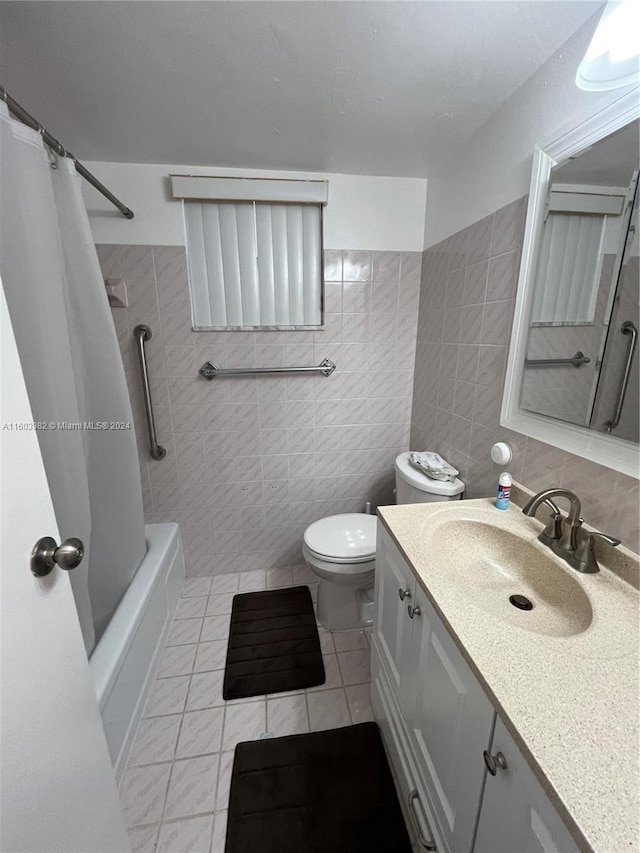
(494, 168)
(364, 212)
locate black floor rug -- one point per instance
(273, 644)
(326, 792)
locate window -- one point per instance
(579, 223)
(254, 252)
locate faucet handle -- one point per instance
(553, 530)
(570, 536)
(610, 540)
(585, 557)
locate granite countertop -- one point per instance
(570, 702)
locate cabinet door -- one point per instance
(516, 813)
(392, 630)
(450, 720)
(408, 784)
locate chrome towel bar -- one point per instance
(142, 334)
(210, 371)
(575, 360)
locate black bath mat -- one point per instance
(326, 792)
(273, 644)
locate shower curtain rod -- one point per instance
(23, 116)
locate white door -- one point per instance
(450, 721)
(57, 787)
(516, 813)
(395, 588)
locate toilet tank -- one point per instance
(414, 487)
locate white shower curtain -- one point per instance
(73, 370)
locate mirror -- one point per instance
(573, 374)
(585, 290)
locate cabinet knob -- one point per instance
(494, 762)
(404, 593)
(413, 611)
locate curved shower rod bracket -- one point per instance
(26, 118)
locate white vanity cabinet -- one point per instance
(437, 722)
(425, 695)
(450, 721)
(516, 813)
(395, 589)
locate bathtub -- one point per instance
(124, 661)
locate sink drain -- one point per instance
(521, 602)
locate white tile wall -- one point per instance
(252, 461)
(175, 789)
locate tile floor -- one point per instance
(175, 788)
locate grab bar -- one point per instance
(627, 328)
(141, 334)
(210, 371)
(576, 360)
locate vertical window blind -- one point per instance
(253, 262)
(570, 256)
(568, 270)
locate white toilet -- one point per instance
(341, 550)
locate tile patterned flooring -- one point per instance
(175, 788)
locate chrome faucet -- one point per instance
(563, 535)
(569, 539)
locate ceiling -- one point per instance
(377, 88)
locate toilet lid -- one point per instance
(347, 537)
(417, 480)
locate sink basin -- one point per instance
(491, 564)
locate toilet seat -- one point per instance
(335, 568)
(349, 538)
(335, 561)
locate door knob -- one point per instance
(494, 762)
(46, 554)
(413, 611)
(404, 593)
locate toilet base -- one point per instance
(343, 608)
